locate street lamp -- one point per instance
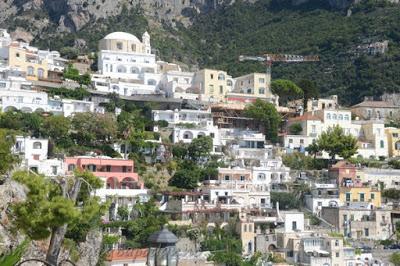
(162, 251)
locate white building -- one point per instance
(34, 156)
(370, 134)
(178, 85)
(126, 65)
(322, 195)
(183, 116)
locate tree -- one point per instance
(7, 161)
(286, 90)
(295, 129)
(123, 213)
(185, 178)
(57, 128)
(335, 142)
(54, 206)
(313, 149)
(267, 115)
(91, 129)
(310, 90)
(395, 258)
(286, 200)
(199, 149)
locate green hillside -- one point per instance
(216, 40)
(219, 39)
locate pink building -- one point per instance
(116, 173)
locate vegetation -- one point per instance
(72, 73)
(295, 129)
(267, 115)
(310, 91)
(146, 219)
(299, 161)
(395, 258)
(15, 256)
(7, 161)
(391, 193)
(48, 212)
(286, 90)
(335, 142)
(286, 200)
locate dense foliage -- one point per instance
(335, 142)
(267, 115)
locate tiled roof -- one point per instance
(304, 117)
(375, 104)
(127, 254)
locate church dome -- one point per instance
(118, 35)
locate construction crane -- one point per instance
(268, 59)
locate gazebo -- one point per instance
(162, 251)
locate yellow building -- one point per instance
(37, 64)
(393, 139)
(360, 194)
(213, 84)
(252, 86)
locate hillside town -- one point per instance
(176, 167)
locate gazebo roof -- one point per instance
(163, 236)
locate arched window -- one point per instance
(188, 135)
(134, 70)
(340, 117)
(121, 69)
(115, 88)
(40, 72)
(37, 145)
(346, 117)
(334, 117)
(328, 116)
(229, 83)
(221, 76)
(151, 82)
(31, 71)
(71, 167)
(261, 177)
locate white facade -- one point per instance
(126, 65)
(178, 85)
(371, 134)
(184, 116)
(34, 154)
(293, 221)
(187, 134)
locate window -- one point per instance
(346, 117)
(54, 170)
(334, 117)
(261, 90)
(319, 203)
(382, 144)
(17, 55)
(366, 232)
(290, 140)
(212, 135)
(328, 116)
(313, 129)
(227, 178)
(40, 73)
(294, 225)
(261, 80)
(352, 217)
(211, 89)
(221, 89)
(242, 178)
(301, 141)
(344, 217)
(108, 168)
(31, 71)
(37, 145)
(262, 201)
(395, 135)
(133, 47)
(348, 196)
(211, 76)
(250, 228)
(91, 167)
(119, 45)
(336, 243)
(340, 117)
(337, 254)
(221, 76)
(249, 91)
(71, 167)
(362, 197)
(372, 196)
(2, 84)
(245, 228)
